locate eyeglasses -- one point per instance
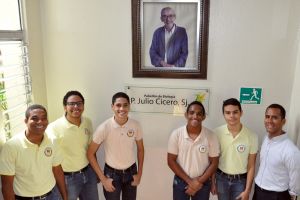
(78, 103)
(167, 16)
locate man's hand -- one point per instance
(193, 186)
(164, 64)
(136, 180)
(213, 188)
(243, 196)
(107, 184)
(293, 197)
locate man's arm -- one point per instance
(293, 167)
(60, 181)
(214, 162)
(7, 187)
(157, 49)
(91, 155)
(180, 62)
(193, 184)
(213, 189)
(250, 176)
(140, 158)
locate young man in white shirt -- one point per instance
(119, 135)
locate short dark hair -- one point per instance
(34, 107)
(280, 107)
(166, 8)
(196, 103)
(72, 93)
(120, 95)
(233, 102)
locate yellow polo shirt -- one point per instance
(30, 164)
(235, 151)
(73, 141)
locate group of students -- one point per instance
(59, 161)
(223, 161)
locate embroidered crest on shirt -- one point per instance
(130, 133)
(48, 151)
(241, 148)
(86, 131)
(202, 149)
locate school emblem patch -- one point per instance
(202, 149)
(241, 148)
(130, 133)
(48, 151)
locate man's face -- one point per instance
(232, 115)
(194, 116)
(37, 121)
(273, 121)
(74, 107)
(121, 109)
(168, 17)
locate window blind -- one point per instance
(15, 87)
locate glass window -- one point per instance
(15, 84)
(9, 15)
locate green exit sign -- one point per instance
(250, 95)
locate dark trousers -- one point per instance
(262, 194)
(122, 182)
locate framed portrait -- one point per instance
(170, 38)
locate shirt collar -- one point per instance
(116, 125)
(69, 124)
(27, 143)
(227, 132)
(278, 138)
(172, 30)
(186, 135)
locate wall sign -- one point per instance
(165, 100)
(250, 95)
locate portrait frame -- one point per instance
(194, 14)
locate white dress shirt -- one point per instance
(279, 165)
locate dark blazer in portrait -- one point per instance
(177, 47)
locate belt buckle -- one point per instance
(41, 197)
(230, 177)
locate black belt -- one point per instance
(33, 198)
(76, 172)
(232, 176)
(121, 171)
(269, 191)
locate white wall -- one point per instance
(294, 117)
(32, 16)
(87, 47)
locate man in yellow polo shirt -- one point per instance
(239, 147)
(30, 161)
(74, 133)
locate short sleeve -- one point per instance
(139, 135)
(57, 156)
(100, 133)
(253, 144)
(214, 145)
(173, 143)
(90, 128)
(7, 160)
